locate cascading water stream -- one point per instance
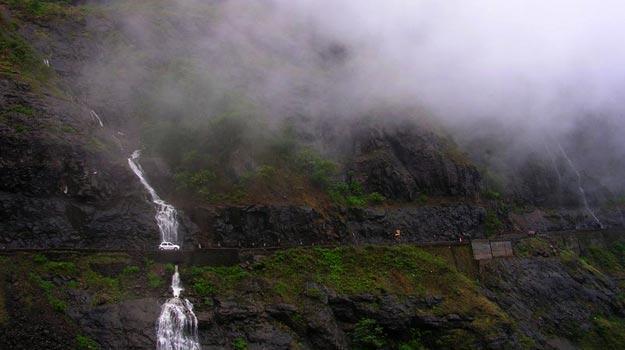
(166, 214)
(579, 186)
(177, 325)
(176, 328)
(96, 117)
(552, 158)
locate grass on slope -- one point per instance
(400, 270)
(43, 9)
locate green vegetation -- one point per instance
(18, 59)
(368, 335)
(422, 199)
(492, 223)
(208, 281)
(44, 9)
(61, 267)
(239, 344)
(68, 129)
(49, 291)
(401, 270)
(40, 259)
(154, 280)
(351, 194)
(85, 343)
(20, 109)
(492, 195)
(415, 342)
(274, 164)
(131, 270)
(607, 333)
(533, 247)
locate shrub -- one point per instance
(415, 342)
(368, 335)
(85, 343)
(203, 288)
(492, 224)
(131, 270)
(154, 280)
(422, 199)
(351, 194)
(40, 259)
(239, 344)
(376, 198)
(267, 172)
(21, 109)
(493, 195)
(57, 304)
(535, 247)
(603, 258)
(319, 170)
(61, 267)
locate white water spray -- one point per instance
(552, 158)
(579, 186)
(95, 116)
(177, 325)
(166, 214)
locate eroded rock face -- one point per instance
(548, 296)
(275, 225)
(401, 162)
(64, 181)
(127, 325)
(549, 220)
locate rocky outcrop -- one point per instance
(326, 321)
(286, 225)
(416, 224)
(64, 181)
(549, 220)
(404, 161)
(127, 325)
(549, 297)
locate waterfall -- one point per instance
(579, 186)
(553, 163)
(95, 116)
(177, 325)
(166, 214)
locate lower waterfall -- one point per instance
(177, 325)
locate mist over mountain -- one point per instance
(299, 174)
(530, 73)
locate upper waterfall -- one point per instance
(166, 214)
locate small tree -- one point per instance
(368, 335)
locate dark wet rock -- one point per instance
(546, 220)
(268, 226)
(127, 325)
(547, 296)
(404, 161)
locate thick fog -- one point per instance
(535, 63)
(529, 72)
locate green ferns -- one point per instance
(351, 194)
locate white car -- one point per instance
(168, 246)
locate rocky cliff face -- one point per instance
(405, 161)
(287, 225)
(64, 180)
(322, 299)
